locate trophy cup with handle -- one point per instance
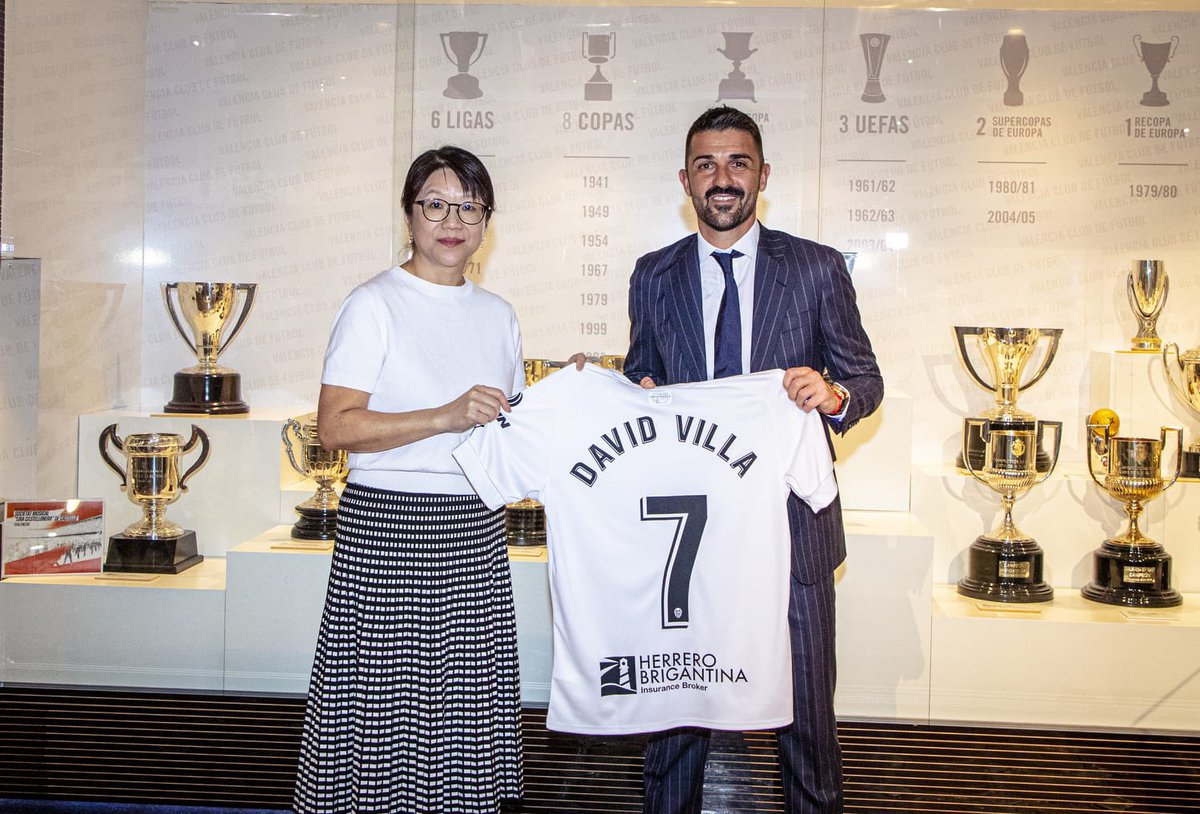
(1014, 59)
(207, 309)
(737, 49)
(1155, 55)
(1006, 353)
(1006, 565)
(463, 48)
(598, 49)
(1184, 376)
(318, 514)
(1130, 569)
(874, 46)
(1147, 286)
(151, 480)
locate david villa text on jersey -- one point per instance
(629, 435)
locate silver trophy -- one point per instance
(463, 48)
(874, 46)
(1155, 55)
(598, 49)
(1014, 58)
(1187, 387)
(1147, 287)
(737, 49)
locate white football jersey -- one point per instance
(669, 550)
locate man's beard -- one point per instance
(727, 217)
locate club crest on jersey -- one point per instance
(618, 676)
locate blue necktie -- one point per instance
(727, 346)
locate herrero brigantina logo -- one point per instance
(664, 672)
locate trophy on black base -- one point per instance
(1006, 352)
(318, 514)
(206, 387)
(1005, 565)
(1187, 387)
(1130, 569)
(151, 479)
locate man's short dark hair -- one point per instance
(723, 118)
(466, 165)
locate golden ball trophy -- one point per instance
(1130, 569)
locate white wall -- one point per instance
(111, 148)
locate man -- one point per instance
(775, 301)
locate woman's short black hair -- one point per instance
(466, 165)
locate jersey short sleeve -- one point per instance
(357, 345)
(507, 459)
(810, 473)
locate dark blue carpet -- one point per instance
(59, 807)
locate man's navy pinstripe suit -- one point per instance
(804, 315)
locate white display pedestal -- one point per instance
(275, 593)
(233, 498)
(874, 458)
(118, 630)
(1069, 663)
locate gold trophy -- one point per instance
(1187, 387)
(207, 308)
(612, 362)
(1005, 565)
(318, 514)
(1006, 353)
(151, 479)
(1130, 569)
(1147, 286)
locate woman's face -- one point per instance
(448, 243)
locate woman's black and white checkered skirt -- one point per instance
(414, 704)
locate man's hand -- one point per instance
(647, 382)
(578, 359)
(810, 391)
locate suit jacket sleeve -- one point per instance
(845, 346)
(643, 359)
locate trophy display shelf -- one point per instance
(115, 629)
(274, 596)
(1069, 663)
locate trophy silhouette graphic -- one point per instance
(1156, 55)
(468, 48)
(737, 49)
(874, 46)
(598, 49)
(1014, 58)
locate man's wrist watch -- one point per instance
(843, 397)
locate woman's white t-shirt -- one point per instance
(413, 345)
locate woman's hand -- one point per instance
(479, 405)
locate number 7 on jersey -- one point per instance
(690, 513)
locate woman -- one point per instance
(414, 701)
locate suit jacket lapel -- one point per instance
(769, 285)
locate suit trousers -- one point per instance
(809, 754)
